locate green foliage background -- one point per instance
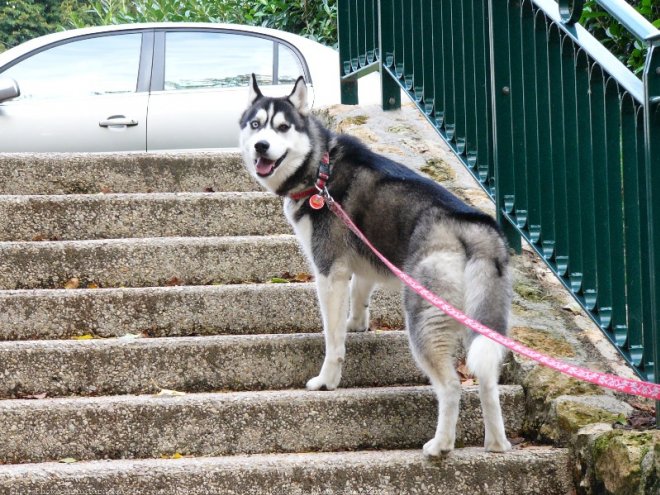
(21, 20)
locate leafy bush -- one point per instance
(314, 19)
(615, 37)
(21, 20)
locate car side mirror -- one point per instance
(8, 89)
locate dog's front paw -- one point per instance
(501, 445)
(437, 446)
(323, 383)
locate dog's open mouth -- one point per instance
(265, 167)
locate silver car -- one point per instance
(149, 87)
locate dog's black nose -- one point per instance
(261, 146)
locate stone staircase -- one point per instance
(144, 349)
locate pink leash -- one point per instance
(632, 387)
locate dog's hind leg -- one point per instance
(361, 288)
(434, 338)
(488, 299)
(333, 300)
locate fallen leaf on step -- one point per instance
(35, 396)
(68, 460)
(169, 393)
(131, 336)
(72, 283)
(209, 189)
(105, 190)
(87, 336)
(174, 281)
(278, 280)
(176, 455)
(92, 285)
(303, 277)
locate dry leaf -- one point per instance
(87, 336)
(105, 190)
(170, 393)
(209, 189)
(68, 460)
(35, 396)
(174, 281)
(92, 285)
(303, 277)
(176, 455)
(72, 283)
(38, 238)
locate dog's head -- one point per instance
(274, 139)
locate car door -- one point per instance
(200, 80)
(82, 94)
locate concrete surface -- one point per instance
(527, 471)
(113, 427)
(197, 364)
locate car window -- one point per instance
(204, 60)
(92, 66)
(289, 68)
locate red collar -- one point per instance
(324, 175)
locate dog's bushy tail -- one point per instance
(488, 296)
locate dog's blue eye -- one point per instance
(255, 124)
(283, 127)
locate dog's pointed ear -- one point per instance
(299, 95)
(255, 92)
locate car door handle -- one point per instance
(118, 120)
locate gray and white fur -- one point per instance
(453, 249)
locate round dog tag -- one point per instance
(317, 202)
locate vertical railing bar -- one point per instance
(428, 48)
(532, 206)
(469, 71)
(570, 130)
(482, 157)
(448, 86)
(585, 163)
(543, 132)
(459, 74)
(634, 343)
(417, 27)
(502, 118)
(601, 198)
(558, 156)
(439, 88)
(613, 150)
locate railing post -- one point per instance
(349, 87)
(652, 154)
(390, 90)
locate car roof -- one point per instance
(36, 43)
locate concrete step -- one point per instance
(525, 471)
(174, 311)
(197, 364)
(113, 216)
(148, 262)
(91, 173)
(292, 421)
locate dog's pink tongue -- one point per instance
(265, 166)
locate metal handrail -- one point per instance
(562, 136)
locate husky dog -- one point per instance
(451, 248)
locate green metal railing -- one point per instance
(562, 135)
